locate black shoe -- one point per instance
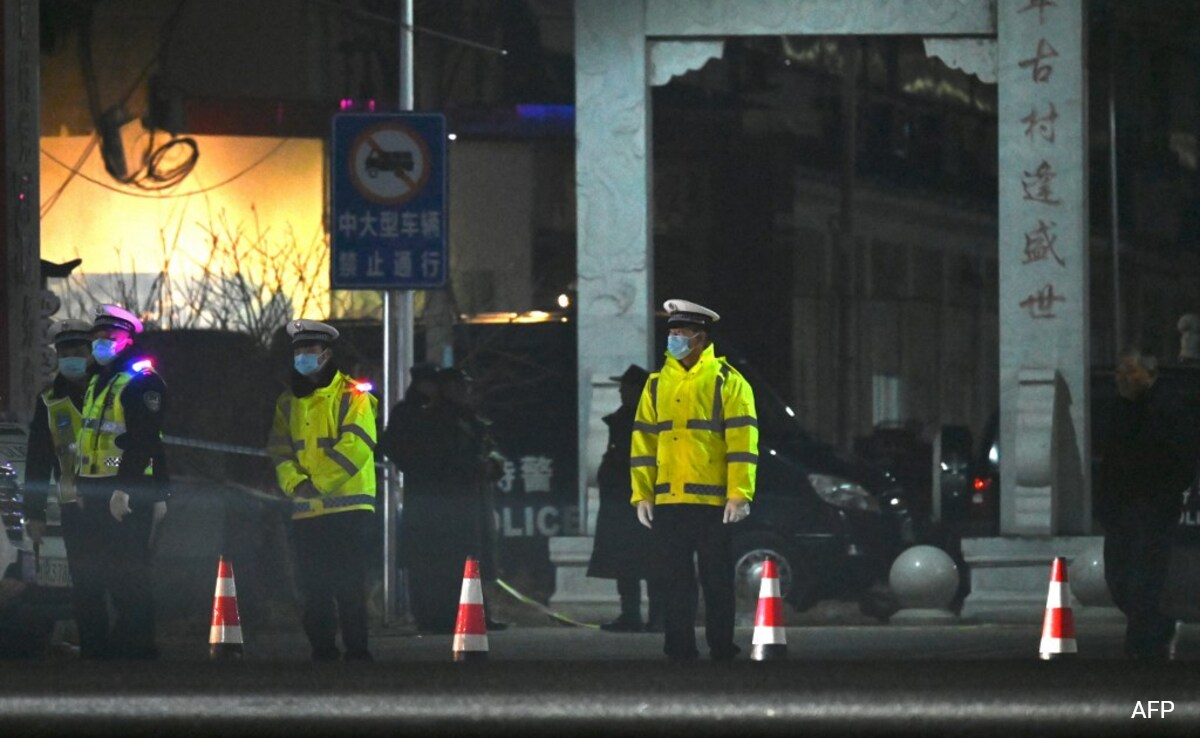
(358, 656)
(725, 655)
(325, 654)
(623, 625)
(495, 624)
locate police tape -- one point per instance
(540, 607)
(251, 451)
(231, 448)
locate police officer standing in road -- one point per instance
(122, 484)
(54, 432)
(693, 464)
(323, 445)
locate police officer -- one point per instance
(693, 464)
(623, 550)
(323, 445)
(54, 432)
(122, 485)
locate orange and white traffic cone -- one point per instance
(1058, 627)
(225, 635)
(470, 629)
(770, 638)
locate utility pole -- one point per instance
(397, 345)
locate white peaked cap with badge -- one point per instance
(115, 316)
(70, 330)
(311, 330)
(685, 312)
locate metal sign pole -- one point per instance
(397, 346)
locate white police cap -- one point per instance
(685, 312)
(71, 330)
(311, 330)
(115, 316)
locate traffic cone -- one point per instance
(770, 638)
(1058, 627)
(470, 629)
(225, 635)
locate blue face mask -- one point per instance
(104, 350)
(678, 346)
(307, 364)
(72, 367)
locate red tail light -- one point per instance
(981, 484)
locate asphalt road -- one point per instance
(867, 680)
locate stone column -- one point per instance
(614, 254)
(1043, 257)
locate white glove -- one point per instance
(736, 510)
(159, 512)
(118, 505)
(645, 512)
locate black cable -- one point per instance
(53, 199)
(134, 193)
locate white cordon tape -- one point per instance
(251, 451)
(542, 608)
(230, 448)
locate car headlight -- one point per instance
(843, 493)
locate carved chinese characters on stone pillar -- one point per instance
(1037, 181)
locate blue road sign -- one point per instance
(389, 223)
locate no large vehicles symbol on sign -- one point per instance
(389, 163)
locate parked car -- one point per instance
(832, 523)
(44, 566)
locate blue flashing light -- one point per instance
(546, 113)
(363, 386)
(142, 365)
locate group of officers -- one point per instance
(690, 450)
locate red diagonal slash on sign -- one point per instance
(412, 185)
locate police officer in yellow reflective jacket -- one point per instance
(693, 464)
(323, 445)
(122, 483)
(54, 432)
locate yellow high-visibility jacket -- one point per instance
(102, 421)
(328, 439)
(65, 422)
(695, 436)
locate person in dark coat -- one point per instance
(623, 548)
(445, 452)
(1147, 462)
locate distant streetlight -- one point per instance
(564, 301)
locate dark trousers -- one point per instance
(629, 589)
(681, 532)
(331, 564)
(1137, 553)
(110, 561)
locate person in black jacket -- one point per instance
(450, 468)
(1147, 462)
(122, 485)
(623, 548)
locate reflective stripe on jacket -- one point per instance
(328, 439)
(695, 436)
(103, 419)
(65, 423)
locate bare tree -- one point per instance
(248, 281)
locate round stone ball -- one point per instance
(924, 577)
